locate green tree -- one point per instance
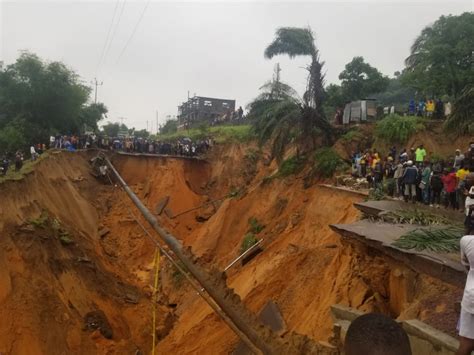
(42, 98)
(441, 57)
(461, 121)
(112, 129)
(143, 133)
(294, 42)
(170, 126)
(91, 114)
(275, 113)
(12, 136)
(396, 93)
(359, 80)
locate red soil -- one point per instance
(45, 292)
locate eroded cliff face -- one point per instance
(89, 255)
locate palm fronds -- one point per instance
(437, 240)
(461, 121)
(292, 41)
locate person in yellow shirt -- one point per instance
(461, 188)
(430, 107)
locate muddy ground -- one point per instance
(76, 271)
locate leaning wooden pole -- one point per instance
(204, 279)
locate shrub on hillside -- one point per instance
(352, 135)
(249, 240)
(327, 162)
(291, 166)
(398, 129)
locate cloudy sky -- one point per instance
(149, 54)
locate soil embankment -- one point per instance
(76, 269)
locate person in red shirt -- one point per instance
(450, 182)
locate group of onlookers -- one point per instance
(430, 108)
(410, 175)
(180, 146)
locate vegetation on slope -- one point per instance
(398, 129)
(240, 133)
(327, 162)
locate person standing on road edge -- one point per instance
(466, 319)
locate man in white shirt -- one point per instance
(33, 153)
(466, 321)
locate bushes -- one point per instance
(398, 129)
(461, 121)
(250, 239)
(291, 166)
(352, 135)
(221, 134)
(327, 162)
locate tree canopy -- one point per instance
(311, 119)
(441, 57)
(39, 98)
(112, 129)
(359, 80)
(170, 126)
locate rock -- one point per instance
(168, 212)
(103, 232)
(206, 213)
(131, 298)
(160, 206)
(97, 320)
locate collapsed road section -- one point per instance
(227, 304)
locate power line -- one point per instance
(133, 32)
(108, 35)
(115, 29)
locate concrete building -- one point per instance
(200, 109)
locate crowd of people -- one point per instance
(181, 146)
(431, 108)
(410, 175)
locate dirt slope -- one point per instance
(48, 287)
(304, 267)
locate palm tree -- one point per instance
(275, 114)
(293, 42)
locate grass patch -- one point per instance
(27, 168)
(252, 155)
(220, 134)
(52, 225)
(65, 238)
(398, 129)
(352, 135)
(376, 194)
(234, 192)
(255, 226)
(249, 240)
(290, 166)
(438, 240)
(327, 162)
(41, 221)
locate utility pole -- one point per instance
(157, 128)
(96, 83)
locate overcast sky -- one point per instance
(209, 48)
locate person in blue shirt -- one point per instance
(421, 108)
(411, 107)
